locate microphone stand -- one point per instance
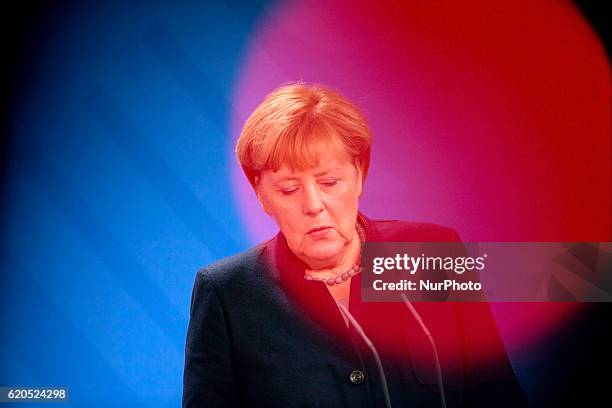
(417, 317)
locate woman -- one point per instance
(267, 326)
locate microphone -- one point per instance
(367, 341)
(417, 317)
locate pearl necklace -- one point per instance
(354, 270)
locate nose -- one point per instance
(313, 204)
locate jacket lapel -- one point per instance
(312, 298)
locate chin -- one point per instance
(324, 251)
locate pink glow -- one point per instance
(492, 118)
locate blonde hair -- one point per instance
(294, 122)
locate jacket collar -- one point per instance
(372, 232)
(312, 298)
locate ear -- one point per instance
(260, 196)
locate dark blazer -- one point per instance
(260, 335)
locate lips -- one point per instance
(319, 229)
(319, 233)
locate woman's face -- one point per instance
(316, 209)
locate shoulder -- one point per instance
(407, 231)
(235, 269)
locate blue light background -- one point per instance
(116, 191)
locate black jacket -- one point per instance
(261, 336)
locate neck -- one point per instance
(343, 262)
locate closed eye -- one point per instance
(329, 183)
(288, 191)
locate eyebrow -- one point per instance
(288, 178)
(327, 171)
(319, 174)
